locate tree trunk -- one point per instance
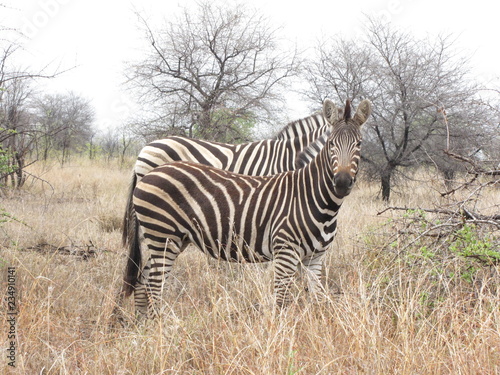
(20, 169)
(385, 179)
(205, 130)
(448, 176)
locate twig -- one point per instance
(460, 187)
(489, 260)
(430, 210)
(464, 213)
(40, 179)
(17, 169)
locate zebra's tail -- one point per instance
(129, 217)
(134, 259)
(130, 237)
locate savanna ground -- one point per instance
(388, 308)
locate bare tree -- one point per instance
(119, 142)
(410, 83)
(16, 134)
(49, 123)
(339, 67)
(210, 70)
(64, 123)
(14, 91)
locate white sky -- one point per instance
(98, 36)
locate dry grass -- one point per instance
(373, 319)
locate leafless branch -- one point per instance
(212, 67)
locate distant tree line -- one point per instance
(36, 127)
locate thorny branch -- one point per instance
(475, 169)
(442, 227)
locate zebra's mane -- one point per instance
(309, 153)
(300, 127)
(347, 110)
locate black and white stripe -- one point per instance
(297, 129)
(259, 158)
(289, 218)
(255, 158)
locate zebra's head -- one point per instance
(344, 143)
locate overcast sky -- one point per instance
(98, 36)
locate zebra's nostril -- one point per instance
(343, 183)
(343, 180)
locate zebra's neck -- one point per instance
(318, 176)
(301, 127)
(271, 156)
(309, 152)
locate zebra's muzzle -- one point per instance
(342, 184)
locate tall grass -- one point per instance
(379, 314)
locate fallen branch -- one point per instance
(463, 212)
(83, 251)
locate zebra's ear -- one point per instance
(363, 112)
(330, 111)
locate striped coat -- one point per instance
(255, 158)
(289, 218)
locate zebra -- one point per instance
(258, 158)
(289, 218)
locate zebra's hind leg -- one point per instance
(141, 296)
(149, 287)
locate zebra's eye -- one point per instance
(358, 144)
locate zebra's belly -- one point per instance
(234, 248)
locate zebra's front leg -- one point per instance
(286, 264)
(314, 266)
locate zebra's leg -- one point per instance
(286, 264)
(150, 285)
(313, 266)
(141, 296)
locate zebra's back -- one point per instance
(167, 150)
